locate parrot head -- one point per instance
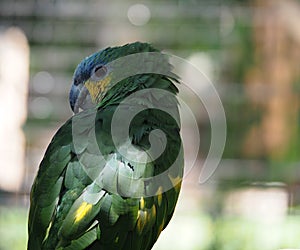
(94, 75)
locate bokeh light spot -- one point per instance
(139, 14)
(41, 107)
(43, 82)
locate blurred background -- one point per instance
(251, 52)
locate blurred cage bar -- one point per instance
(250, 50)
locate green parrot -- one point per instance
(111, 176)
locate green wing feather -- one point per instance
(69, 210)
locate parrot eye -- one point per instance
(99, 72)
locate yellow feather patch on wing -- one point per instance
(161, 227)
(153, 211)
(83, 209)
(176, 182)
(145, 218)
(142, 220)
(159, 195)
(142, 203)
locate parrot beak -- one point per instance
(80, 98)
(87, 94)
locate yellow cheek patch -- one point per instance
(83, 209)
(96, 88)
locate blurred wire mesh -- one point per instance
(251, 52)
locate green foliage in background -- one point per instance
(249, 234)
(218, 233)
(13, 228)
